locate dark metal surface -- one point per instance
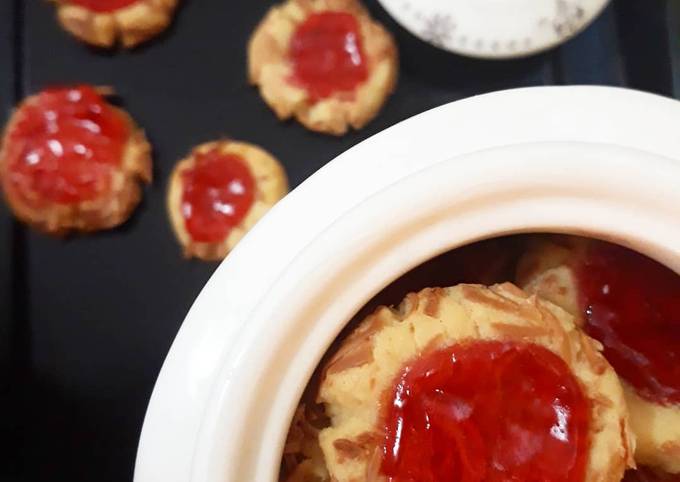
(87, 321)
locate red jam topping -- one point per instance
(486, 411)
(64, 146)
(646, 474)
(632, 306)
(327, 54)
(218, 192)
(103, 6)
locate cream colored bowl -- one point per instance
(596, 161)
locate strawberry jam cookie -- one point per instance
(72, 161)
(630, 304)
(219, 192)
(472, 384)
(324, 62)
(302, 456)
(103, 23)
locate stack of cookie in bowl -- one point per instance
(569, 373)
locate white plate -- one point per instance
(600, 159)
(494, 28)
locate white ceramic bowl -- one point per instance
(596, 161)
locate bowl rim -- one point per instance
(179, 435)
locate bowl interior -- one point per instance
(486, 262)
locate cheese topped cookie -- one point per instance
(324, 62)
(631, 304)
(472, 383)
(103, 23)
(70, 161)
(219, 192)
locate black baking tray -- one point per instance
(86, 322)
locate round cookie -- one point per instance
(302, 456)
(324, 62)
(103, 23)
(358, 383)
(70, 161)
(219, 192)
(550, 268)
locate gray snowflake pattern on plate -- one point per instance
(438, 30)
(568, 17)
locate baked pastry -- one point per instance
(219, 192)
(631, 304)
(302, 456)
(72, 161)
(103, 23)
(472, 383)
(324, 62)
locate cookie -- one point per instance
(632, 305)
(473, 383)
(70, 161)
(302, 455)
(219, 192)
(104, 23)
(324, 62)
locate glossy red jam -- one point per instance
(327, 54)
(646, 474)
(217, 193)
(64, 146)
(632, 306)
(103, 6)
(486, 411)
